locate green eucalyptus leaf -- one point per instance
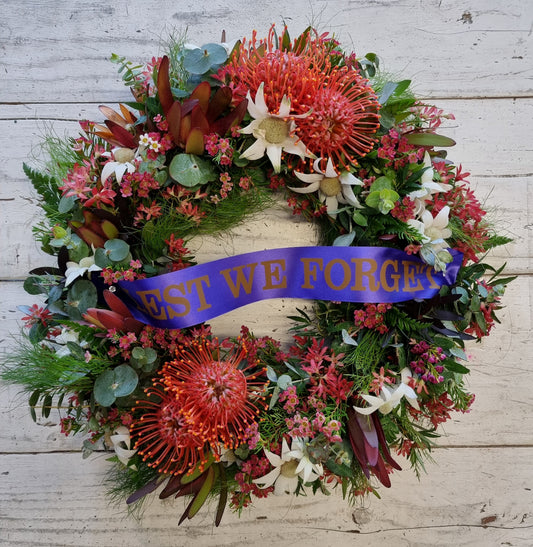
(201, 60)
(284, 381)
(150, 355)
(104, 393)
(126, 380)
(190, 170)
(344, 240)
(32, 285)
(429, 139)
(101, 258)
(82, 295)
(271, 374)
(78, 251)
(117, 249)
(66, 203)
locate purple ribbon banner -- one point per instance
(343, 274)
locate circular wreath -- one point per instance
(212, 134)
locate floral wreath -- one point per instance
(212, 134)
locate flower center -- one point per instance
(276, 130)
(330, 186)
(288, 469)
(123, 155)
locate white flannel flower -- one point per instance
(274, 132)
(432, 229)
(428, 186)
(122, 444)
(390, 397)
(294, 462)
(77, 269)
(123, 158)
(332, 188)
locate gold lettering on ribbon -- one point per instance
(197, 283)
(369, 273)
(151, 300)
(273, 270)
(409, 270)
(310, 272)
(346, 274)
(176, 300)
(241, 280)
(394, 276)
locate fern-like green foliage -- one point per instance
(398, 319)
(221, 217)
(37, 368)
(365, 358)
(496, 241)
(46, 186)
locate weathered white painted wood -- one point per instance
(470, 499)
(493, 144)
(56, 50)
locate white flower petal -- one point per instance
(441, 220)
(285, 485)
(108, 170)
(349, 196)
(348, 178)
(307, 190)
(269, 479)
(255, 152)
(274, 154)
(285, 107)
(309, 177)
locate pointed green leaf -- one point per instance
(429, 139)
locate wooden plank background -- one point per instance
(474, 59)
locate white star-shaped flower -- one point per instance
(122, 162)
(274, 133)
(390, 397)
(332, 188)
(294, 462)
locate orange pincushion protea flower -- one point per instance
(340, 108)
(220, 401)
(163, 437)
(202, 402)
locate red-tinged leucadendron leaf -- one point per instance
(356, 440)
(195, 142)
(173, 485)
(202, 92)
(123, 136)
(383, 443)
(223, 496)
(222, 126)
(201, 496)
(163, 85)
(174, 117)
(220, 101)
(148, 488)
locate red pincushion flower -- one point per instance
(218, 398)
(200, 403)
(163, 437)
(340, 108)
